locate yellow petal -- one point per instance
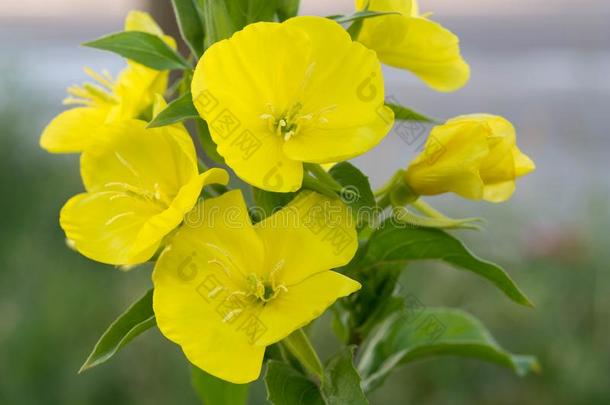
(142, 21)
(121, 228)
(419, 45)
(330, 87)
(499, 165)
(105, 225)
(260, 160)
(135, 88)
(505, 161)
(157, 227)
(72, 129)
(221, 227)
(233, 76)
(192, 302)
(415, 8)
(346, 83)
(126, 154)
(523, 164)
(312, 234)
(451, 159)
(141, 183)
(195, 280)
(402, 6)
(329, 145)
(159, 104)
(302, 303)
(137, 84)
(233, 86)
(473, 155)
(499, 192)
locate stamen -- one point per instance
(133, 191)
(118, 216)
(76, 101)
(289, 123)
(101, 79)
(213, 293)
(227, 255)
(231, 314)
(221, 264)
(100, 92)
(125, 163)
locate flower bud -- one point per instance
(475, 156)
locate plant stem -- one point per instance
(426, 209)
(313, 183)
(387, 187)
(323, 176)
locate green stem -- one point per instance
(313, 183)
(404, 215)
(386, 188)
(384, 202)
(426, 209)
(202, 166)
(299, 345)
(323, 176)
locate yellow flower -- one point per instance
(224, 289)
(475, 156)
(107, 100)
(140, 183)
(413, 42)
(276, 95)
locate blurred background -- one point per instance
(544, 64)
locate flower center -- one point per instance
(263, 291)
(288, 123)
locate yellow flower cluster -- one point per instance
(274, 96)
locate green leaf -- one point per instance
(267, 202)
(141, 47)
(286, 386)
(287, 9)
(399, 243)
(190, 23)
(178, 110)
(406, 114)
(409, 336)
(356, 193)
(217, 20)
(363, 310)
(212, 390)
(138, 318)
(354, 29)
(360, 15)
(341, 383)
(207, 144)
(299, 346)
(261, 10)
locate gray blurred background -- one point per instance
(543, 64)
